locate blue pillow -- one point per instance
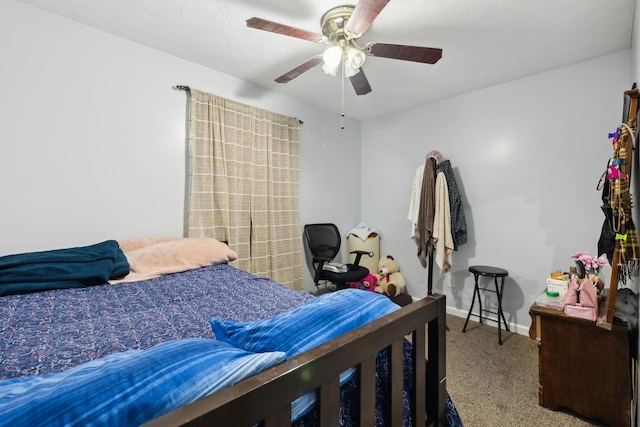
(129, 388)
(296, 331)
(318, 321)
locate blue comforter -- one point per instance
(96, 321)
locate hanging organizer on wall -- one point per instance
(625, 258)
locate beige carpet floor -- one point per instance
(497, 385)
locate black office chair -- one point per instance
(324, 243)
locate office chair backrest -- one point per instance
(323, 240)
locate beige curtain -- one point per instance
(244, 173)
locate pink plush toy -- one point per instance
(368, 283)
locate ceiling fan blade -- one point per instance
(305, 66)
(274, 27)
(427, 55)
(360, 83)
(364, 14)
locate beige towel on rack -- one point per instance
(442, 236)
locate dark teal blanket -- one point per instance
(62, 268)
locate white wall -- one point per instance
(527, 156)
(93, 137)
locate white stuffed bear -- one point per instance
(390, 280)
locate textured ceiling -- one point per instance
(485, 42)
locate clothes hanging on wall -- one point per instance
(424, 224)
(414, 202)
(435, 211)
(458, 221)
(442, 226)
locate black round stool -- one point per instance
(495, 272)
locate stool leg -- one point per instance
(495, 280)
(500, 313)
(473, 301)
(500, 304)
(479, 304)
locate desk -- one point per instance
(582, 367)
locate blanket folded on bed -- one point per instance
(62, 268)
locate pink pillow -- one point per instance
(155, 257)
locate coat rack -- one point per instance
(429, 257)
(425, 214)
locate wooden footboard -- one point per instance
(267, 396)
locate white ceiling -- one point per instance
(485, 42)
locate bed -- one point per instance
(184, 338)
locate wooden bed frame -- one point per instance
(267, 396)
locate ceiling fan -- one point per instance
(341, 27)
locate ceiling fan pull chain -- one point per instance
(342, 96)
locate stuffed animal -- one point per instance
(390, 280)
(368, 283)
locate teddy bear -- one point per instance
(368, 283)
(390, 280)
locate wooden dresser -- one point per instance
(582, 367)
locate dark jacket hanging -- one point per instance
(458, 221)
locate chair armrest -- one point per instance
(359, 255)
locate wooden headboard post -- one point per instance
(437, 352)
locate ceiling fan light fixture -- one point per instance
(332, 58)
(354, 60)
